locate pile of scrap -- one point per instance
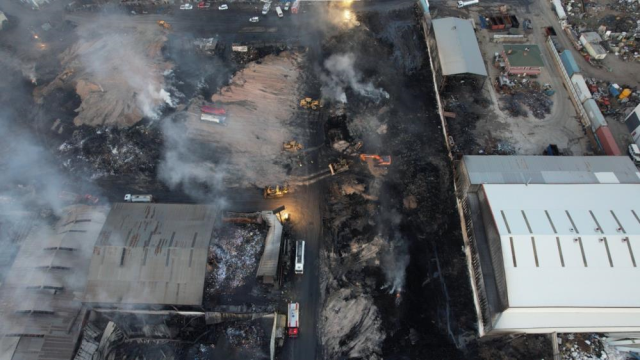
(233, 257)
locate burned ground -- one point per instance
(425, 314)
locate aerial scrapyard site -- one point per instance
(319, 179)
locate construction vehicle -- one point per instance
(309, 103)
(292, 146)
(165, 25)
(384, 160)
(272, 193)
(293, 319)
(339, 166)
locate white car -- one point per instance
(286, 6)
(186, 7)
(223, 7)
(634, 153)
(254, 19)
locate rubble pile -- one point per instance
(234, 257)
(585, 347)
(519, 100)
(530, 346)
(244, 335)
(106, 151)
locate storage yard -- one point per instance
(314, 180)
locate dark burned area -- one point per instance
(437, 294)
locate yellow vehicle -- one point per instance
(164, 24)
(292, 146)
(279, 191)
(339, 166)
(309, 103)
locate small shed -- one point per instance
(523, 59)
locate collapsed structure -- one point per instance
(40, 312)
(550, 239)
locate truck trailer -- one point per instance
(293, 322)
(138, 198)
(462, 4)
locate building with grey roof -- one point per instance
(475, 170)
(40, 311)
(151, 254)
(520, 212)
(457, 48)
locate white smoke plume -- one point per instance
(394, 264)
(341, 74)
(9, 61)
(186, 163)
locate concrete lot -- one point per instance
(527, 135)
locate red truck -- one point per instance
(213, 110)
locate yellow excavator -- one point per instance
(278, 191)
(165, 25)
(339, 166)
(292, 146)
(309, 103)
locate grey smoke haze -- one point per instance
(394, 264)
(341, 74)
(9, 61)
(186, 163)
(111, 55)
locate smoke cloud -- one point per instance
(341, 74)
(394, 263)
(9, 61)
(188, 164)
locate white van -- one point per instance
(279, 12)
(299, 269)
(634, 153)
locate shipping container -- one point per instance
(581, 87)
(607, 141)
(594, 114)
(569, 63)
(557, 6)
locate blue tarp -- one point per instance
(483, 22)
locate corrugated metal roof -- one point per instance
(38, 322)
(458, 48)
(151, 254)
(569, 245)
(497, 169)
(268, 266)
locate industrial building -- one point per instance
(591, 42)
(522, 59)
(42, 314)
(552, 242)
(457, 49)
(152, 255)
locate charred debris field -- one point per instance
(389, 265)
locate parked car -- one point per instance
(254, 19)
(204, 5)
(287, 5)
(223, 7)
(186, 7)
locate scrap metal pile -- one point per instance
(233, 257)
(524, 96)
(244, 334)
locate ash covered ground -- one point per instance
(392, 274)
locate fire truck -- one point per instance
(293, 316)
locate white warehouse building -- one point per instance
(552, 242)
(568, 254)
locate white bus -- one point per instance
(299, 257)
